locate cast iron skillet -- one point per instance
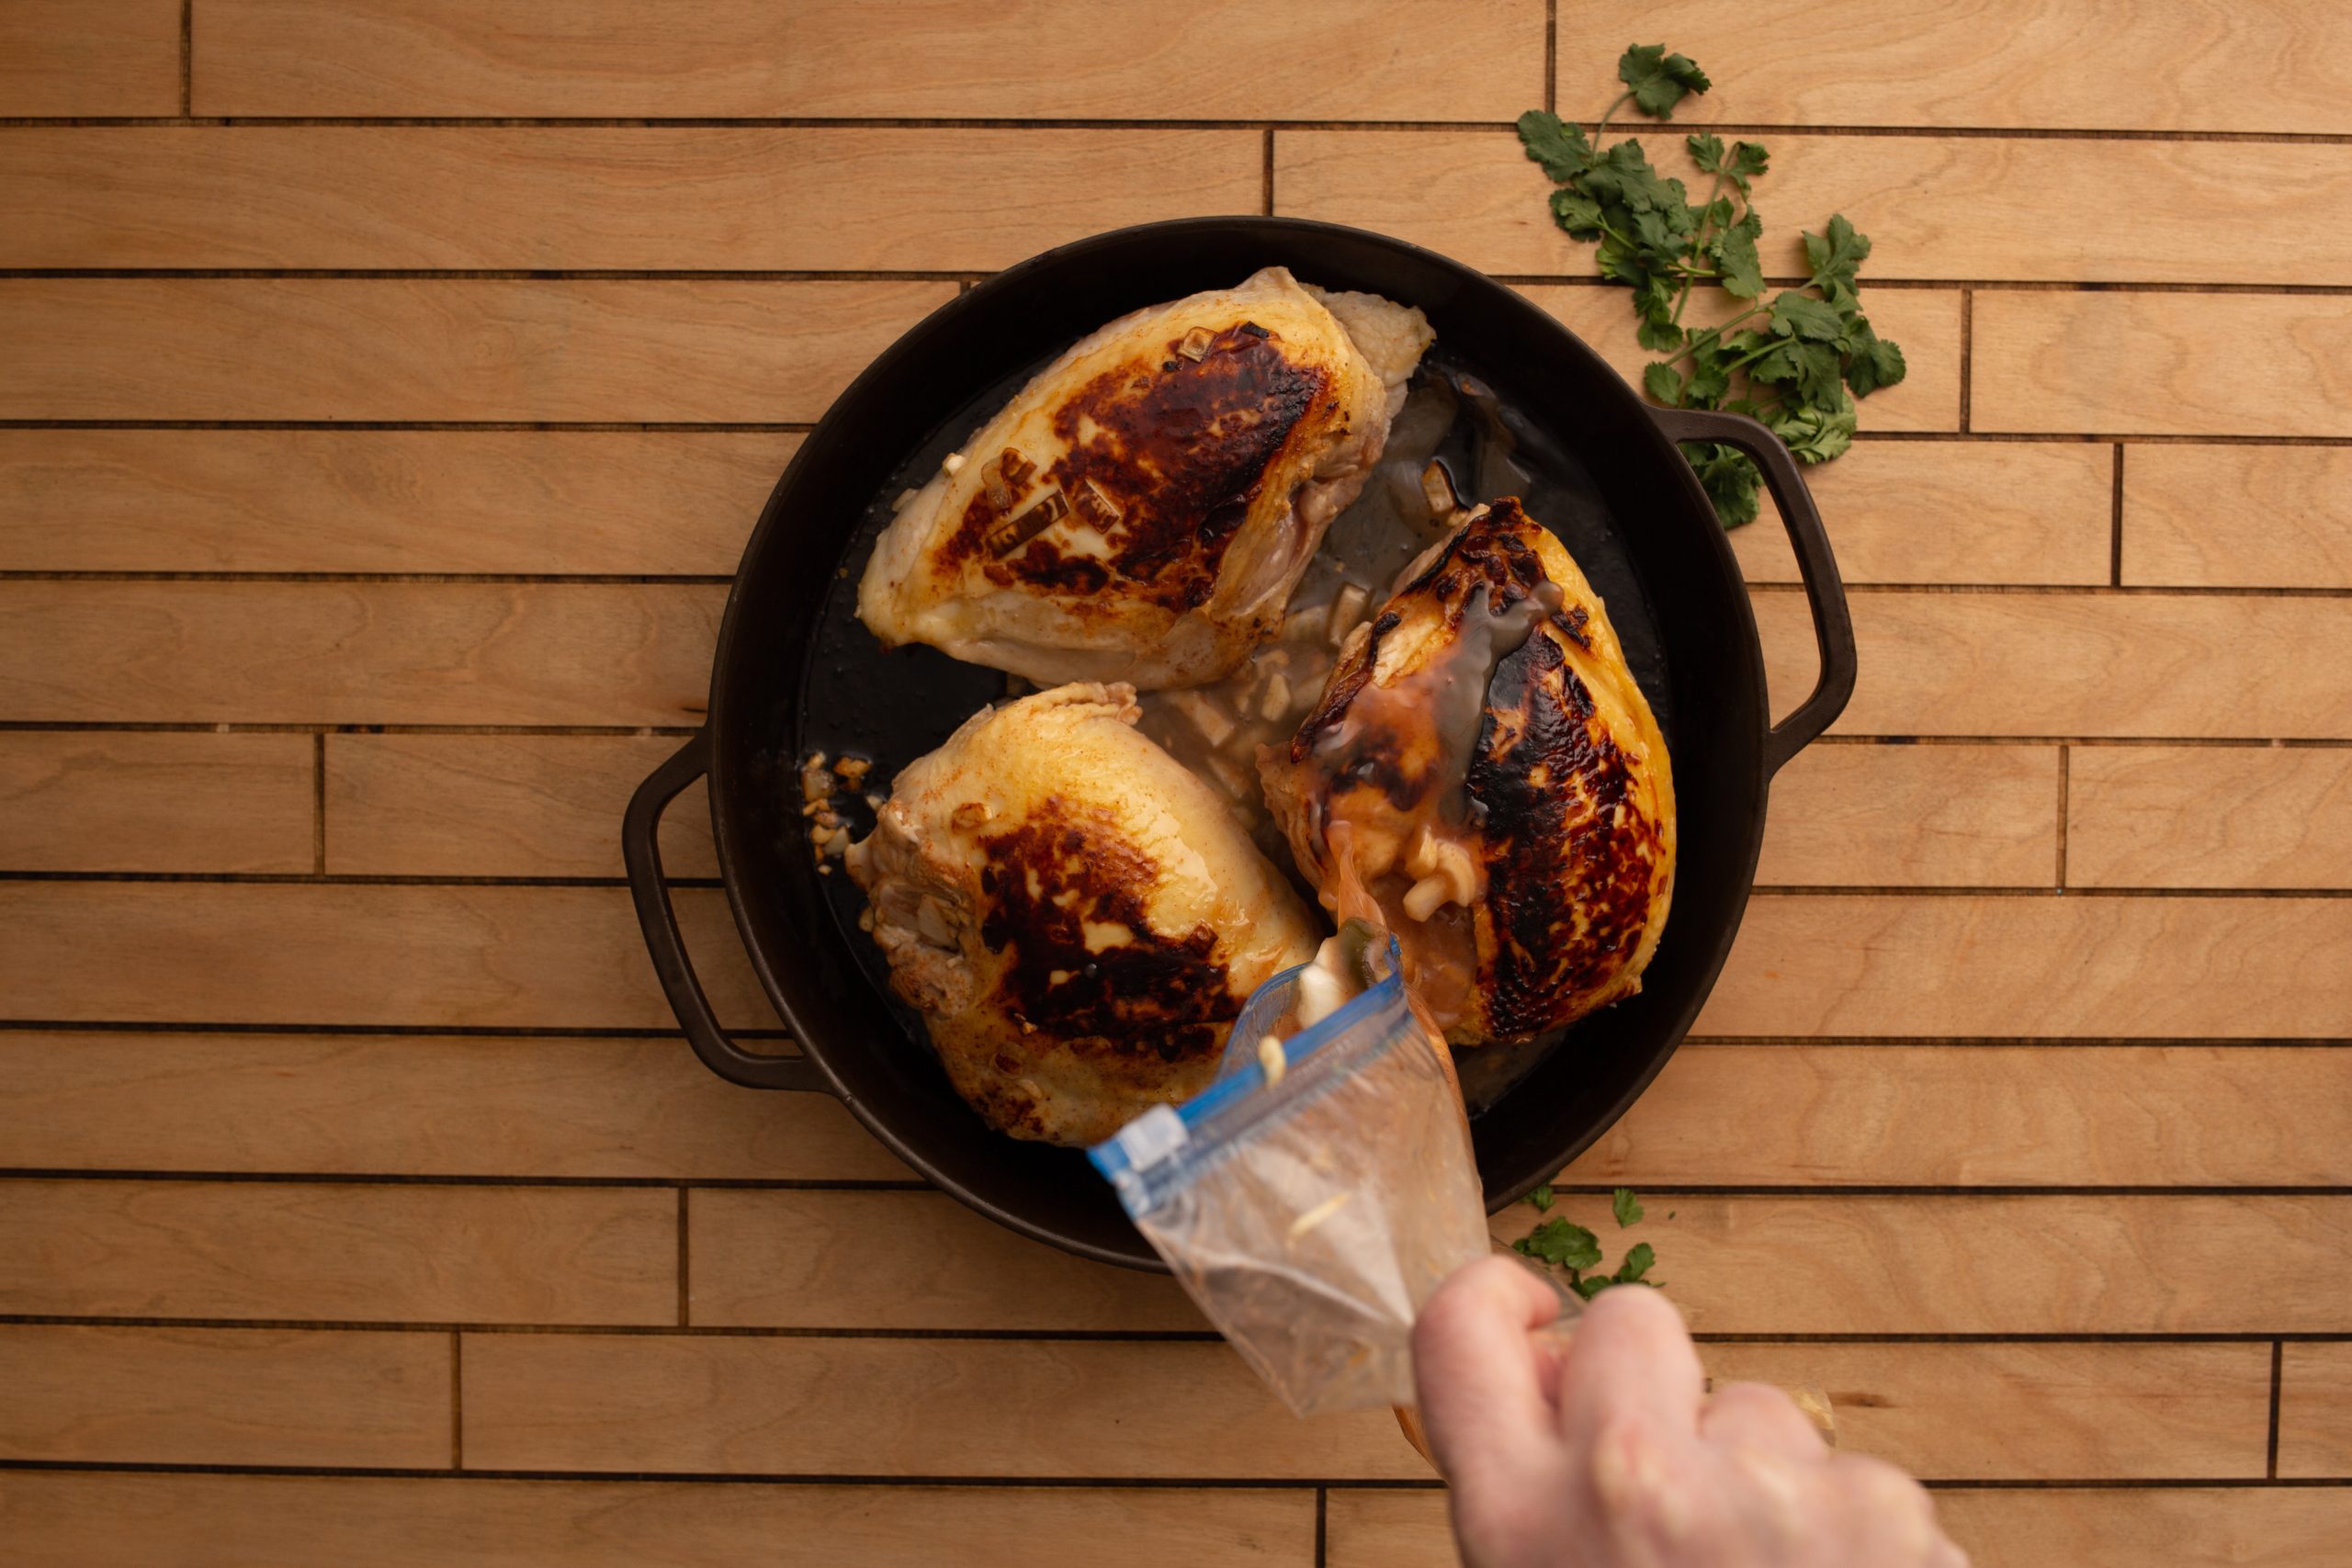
(921, 396)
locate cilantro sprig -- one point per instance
(1797, 361)
(1564, 1243)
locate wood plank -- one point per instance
(1917, 815)
(412, 1105)
(2047, 1412)
(1958, 512)
(910, 1261)
(2078, 664)
(623, 198)
(362, 1253)
(2025, 967)
(224, 1397)
(383, 501)
(464, 957)
(1030, 59)
(68, 57)
(2237, 516)
(2161, 363)
(1995, 63)
(1959, 210)
(1166, 1410)
(501, 805)
(2274, 1528)
(2315, 1411)
(1925, 321)
(2209, 816)
(1982, 1264)
(353, 348)
(96, 801)
(2109, 1528)
(1970, 1116)
(246, 652)
(67, 1520)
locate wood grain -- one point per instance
(2045, 966)
(1100, 1410)
(383, 501)
(2046, 1411)
(69, 57)
(909, 1260)
(411, 1105)
(501, 805)
(1991, 62)
(2237, 516)
(250, 652)
(1969, 1263)
(1970, 1116)
(1951, 512)
(346, 348)
(94, 801)
(1888, 815)
(224, 1397)
(1935, 208)
(1925, 322)
(600, 196)
(2161, 363)
(1032, 59)
(362, 1253)
(2078, 664)
(415, 956)
(64, 1520)
(2315, 1411)
(2209, 816)
(2118, 1528)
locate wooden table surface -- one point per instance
(385, 388)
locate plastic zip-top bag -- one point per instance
(1313, 1197)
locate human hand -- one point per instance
(1609, 1452)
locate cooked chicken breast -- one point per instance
(1142, 509)
(1484, 768)
(1077, 919)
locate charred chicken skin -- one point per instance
(1483, 767)
(1141, 510)
(1077, 919)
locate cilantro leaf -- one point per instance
(1590, 1286)
(1577, 213)
(1706, 151)
(1665, 383)
(1838, 252)
(1874, 363)
(1801, 315)
(1730, 480)
(1638, 1259)
(1747, 160)
(1559, 147)
(1659, 80)
(1562, 1244)
(1817, 435)
(1540, 1197)
(1627, 1207)
(1742, 269)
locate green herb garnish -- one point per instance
(1566, 1245)
(1797, 362)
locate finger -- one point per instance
(1887, 1517)
(1631, 1358)
(1477, 1371)
(1755, 1415)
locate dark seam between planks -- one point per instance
(319, 805)
(1967, 352)
(2064, 768)
(456, 1401)
(1136, 1337)
(1000, 122)
(683, 1190)
(2277, 1365)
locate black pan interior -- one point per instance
(796, 672)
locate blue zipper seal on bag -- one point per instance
(1163, 1148)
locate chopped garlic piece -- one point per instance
(1318, 1215)
(1271, 1057)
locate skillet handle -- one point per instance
(641, 852)
(1833, 627)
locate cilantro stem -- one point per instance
(1714, 335)
(1605, 115)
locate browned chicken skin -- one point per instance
(1077, 919)
(1483, 764)
(1141, 510)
